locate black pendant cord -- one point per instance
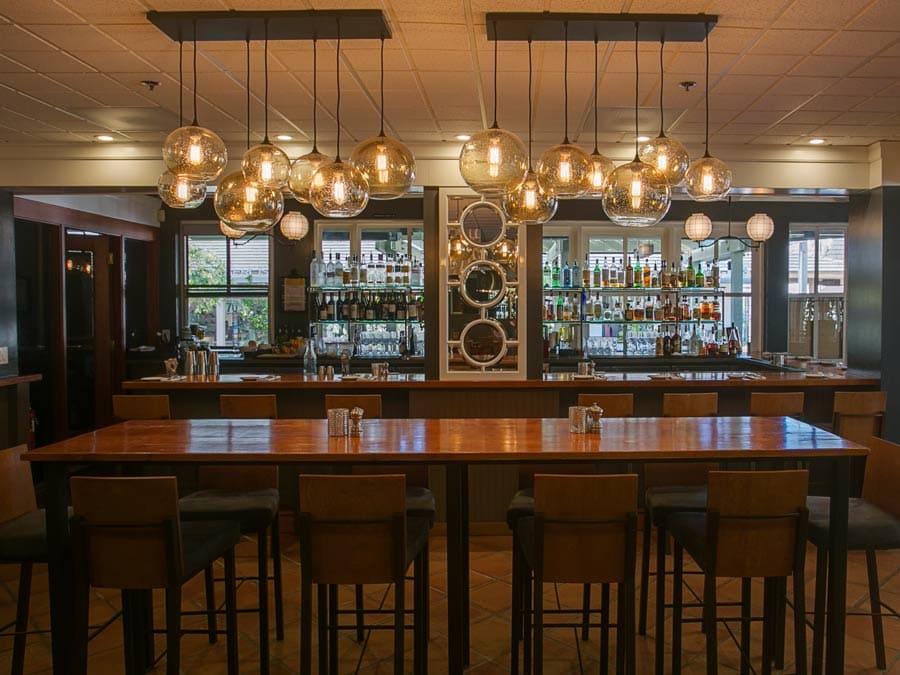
(337, 63)
(529, 104)
(706, 93)
(381, 133)
(637, 81)
(180, 83)
(662, 125)
(596, 71)
(495, 125)
(566, 83)
(315, 95)
(194, 123)
(248, 93)
(266, 82)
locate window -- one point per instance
(227, 288)
(390, 240)
(816, 291)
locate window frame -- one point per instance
(357, 227)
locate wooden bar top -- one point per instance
(448, 440)
(10, 380)
(732, 379)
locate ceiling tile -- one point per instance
(779, 102)
(744, 84)
(117, 62)
(49, 62)
(39, 11)
(859, 86)
(427, 36)
(834, 103)
(802, 85)
(103, 11)
(881, 13)
(790, 41)
(16, 39)
(888, 104)
(880, 66)
(858, 43)
(858, 116)
(759, 64)
(77, 37)
(818, 14)
(831, 65)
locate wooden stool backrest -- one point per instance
(883, 476)
(16, 485)
(242, 477)
(353, 528)
(127, 530)
(789, 403)
(585, 527)
(141, 407)
(248, 406)
(527, 472)
(614, 405)
(761, 521)
(705, 404)
(370, 403)
(858, 415)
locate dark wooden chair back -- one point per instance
(880, 486)
(858, 415)
(127, 531)
(248, 406)
(585, 527)
(705, 404)
(756, 523)
(370, 403)
(353, 528)
(614, 405)
(789, 403)
(240, 478)
(16, 485)
(527, 471)
(141, 407)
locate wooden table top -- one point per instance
(700, 379)
(448, 440)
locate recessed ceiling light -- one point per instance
(642, 139)
(284, 137)
(104, 138)
(817, 141)
(463, 137)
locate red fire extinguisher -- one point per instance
(32, 426)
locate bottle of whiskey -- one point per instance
(556, 275)
(586, 273)
(629, 274)
(638, 273)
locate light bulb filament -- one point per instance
(597, 176)
(707, 181)
(530, 198)
(339, 189)
(565, 169)
(637, 189)
(265, 170)
(381, 160)
(662, 161)
(195, 152)
(494, 160)
(182, 190)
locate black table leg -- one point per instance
(837, 566)
(457, 568)
(59, 568)
(464, 526)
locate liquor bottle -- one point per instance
(379, 270)
(734, 341)
(405, 271)
(547, 274)
(586, 273)
(354, 271)
(338, 270)
(696, 344)
(400, 310)
(412, 309)
(682, 274)
(604, 274)
(567, 276)
(676, 342)
(689, 273)
(663, 280)
(354, 307)
(654, 276)
(363, 272)
(638, 273)
(668, 310)
(667, 344)
(629, 312)
(598, 307)
(576, 274)
(587, 306)
(715, 274)
(660, 348)
(370, 308)
(309, 354)
(647, 274)
(659, 312)
(313, 269)
(329, 309)
(698, 277)
(559, 307)
(629, 274)
(323, 308)
(329, 271)
(597, 277)
(555, 274)
(417, 279)
(638, 312)
(715, 312)
(674, 277)
(567, 309)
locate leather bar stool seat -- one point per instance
(869, 527)
(24, 539)
(253, 510)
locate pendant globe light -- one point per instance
(707, 179)
(601, 165)
(193, 150)
(698, 227)
(760, 227)
(565, 168)
(636, 194)
(294, 226)
(242, 203)
(668, 155)
(180, 191)
(387, 164)
(266, 163)
(338, 189)
(305, 166)
(494, 161)
(530, 203)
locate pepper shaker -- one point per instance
(356, 418)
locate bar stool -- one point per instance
(874, 525)
(249, 496)
(355, 530)
(419, 499)
(127, 535)
(858, 416)
(614, 405)
(670, 487)
(779, 404)
(755, 526)
(583, 531)
(141, 407)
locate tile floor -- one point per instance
(490, 583)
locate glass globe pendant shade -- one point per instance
(493, 162)
(339, 190)
(179, 191)
(636, 195)
(195, 151)
(294, 226)
(246, 205)
(302, 171)
(707, 179)
(760, 227)
(668, 156)
(565, 170)
(698, 227)
(530, 203)
(267, 165)
(601, 167)
(230, 232)
(387, 164)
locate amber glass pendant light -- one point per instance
(601, 165)
(387, 164)
(707, 179)
(530, 203)
(305, 166)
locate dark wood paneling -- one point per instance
(433, 340)
(51, 214)
(864, 279)
(8, 327)
(534, 243)
(890, 306)
(775, 337)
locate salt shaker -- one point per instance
(595, 417)
(356, 418)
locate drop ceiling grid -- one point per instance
(768, 54)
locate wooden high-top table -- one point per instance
(455, 444)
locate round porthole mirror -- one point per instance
(482, 224)
(482, 284)
(483, 343)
